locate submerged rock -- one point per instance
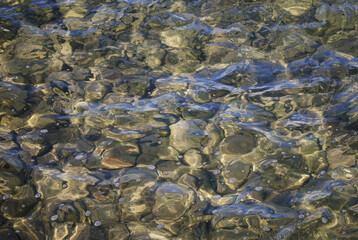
(172, 201)
(241, 143)
(187, 134)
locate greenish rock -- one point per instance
(172, 201)
(47, 159)
(107, 213)
(13, 123)
(12, 99)
(123, 135)
(236, 173)
(194, 159)
(96, 90)
(29, 51)
(295, 8)
(338, 158)
(187, 134)
(241, 143)
(308, 145)
(55, 184)
(20, 203)
(157, 146)
(8, 233)
(199, 111)
(28, 230)
(171, 169)
(13, 162)
(9, 29)
(134, 85)
(41, 121)
(189, 181)
(118, 232)
(34, 143)
(137, 186)
(7, 141)
(144, 230)
(247, 112)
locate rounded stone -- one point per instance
(187, 134)
(239, 144)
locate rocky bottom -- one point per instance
(178, 120)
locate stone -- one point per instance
(41, 121)
(118, 232)
(187, 134)
(107, 213)
(307, 145)
(96, 90)
(34, 143)
(194, 159)
(337, 158)
(171, 169)
(123, 135)
(21, 202)
(236, 173)
(133, 85)
(172, 201)
(294, 7)
(199, 111)
(8, 234)
(9, 29)
(158, 146)
(50, 183)
(111, 154)
(137, 186)
(47, 159)
(13, 123)
(12, 99)
(241, 143)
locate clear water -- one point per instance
(178, 119)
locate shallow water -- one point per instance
(178, 119)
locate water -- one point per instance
(178, 119)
